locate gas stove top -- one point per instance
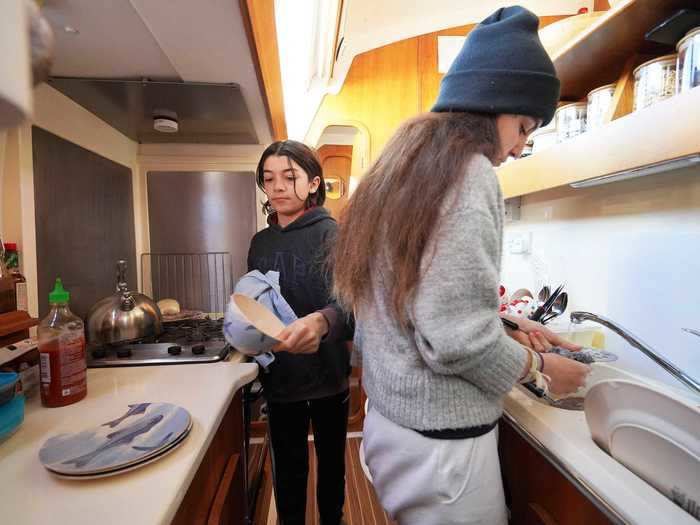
(190, 341)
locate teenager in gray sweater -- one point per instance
(418, 260)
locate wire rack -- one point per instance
(198, 281)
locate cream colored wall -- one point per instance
(61, 116)
(10, 205)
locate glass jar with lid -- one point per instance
(688, 69)
(570, 120)
(654, 81)
(599, 102)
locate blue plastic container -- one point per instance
(8, 385)
(11, 416)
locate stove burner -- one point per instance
(124, 352)
(193, 331)
(189, 341)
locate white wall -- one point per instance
(629, 251)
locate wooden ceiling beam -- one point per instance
(261, 31)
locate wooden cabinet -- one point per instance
(217, 494)
(536, 492)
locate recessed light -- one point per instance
(72, 30)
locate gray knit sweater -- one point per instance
(453, 370)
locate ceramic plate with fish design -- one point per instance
(129, 467)
(144, 430)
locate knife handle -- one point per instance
(532, 388)
(510, 324)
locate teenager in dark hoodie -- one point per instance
(308, 380)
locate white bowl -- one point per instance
(249, 326)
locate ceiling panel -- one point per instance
(113, 41)
(206, 113)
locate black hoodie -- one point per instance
(298, 252)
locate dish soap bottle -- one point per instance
(62, 365)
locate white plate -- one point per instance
(653, 433)
(161, 454)
(142, 432)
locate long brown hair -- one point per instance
(305, 157)
(395, 209)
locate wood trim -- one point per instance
(230, 492)
(623, 97)
(336, 39)
(259, 21)
(16, 321)
(542, 515)
(227, 443)
(601, 5)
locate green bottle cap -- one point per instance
(59, 294)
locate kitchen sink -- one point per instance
(629, 416)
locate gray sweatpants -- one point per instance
(424, 481)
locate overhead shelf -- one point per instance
(644, 141)
(667, 130)
(597, 55)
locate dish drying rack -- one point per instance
(198, 281)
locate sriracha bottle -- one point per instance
(62, 365)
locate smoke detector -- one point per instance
(165, 121)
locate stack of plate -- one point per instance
(145, 433)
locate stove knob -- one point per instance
(124, 352)
(198, 349)
(174, 350)
(99, 353)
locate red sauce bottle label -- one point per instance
(63, 371)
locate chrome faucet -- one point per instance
(691, 331)
(690, 382)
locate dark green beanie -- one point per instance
(502, 68)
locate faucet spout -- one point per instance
(690, 382)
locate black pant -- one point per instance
(289, 426)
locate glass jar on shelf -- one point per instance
(599, 102)
(570, 120)
(654, 80)
(688, 68)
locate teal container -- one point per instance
(11, 416)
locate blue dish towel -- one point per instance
(265, 289)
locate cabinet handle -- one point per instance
(544, 516)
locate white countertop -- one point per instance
(150, 495)
(566, 436)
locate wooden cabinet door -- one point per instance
(336, 162)
(536, 492)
